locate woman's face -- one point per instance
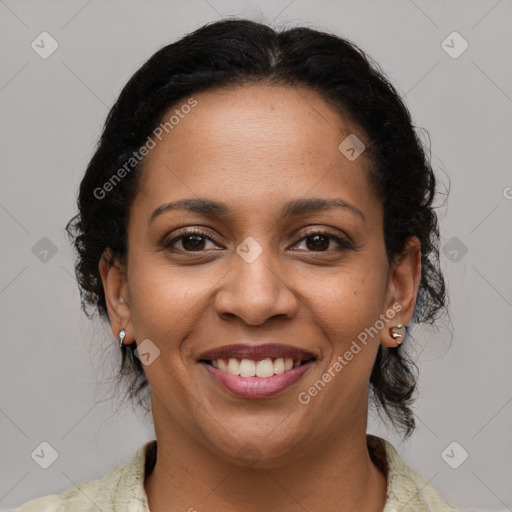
(255, 276)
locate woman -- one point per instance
(257, 225)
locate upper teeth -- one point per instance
(249, 368)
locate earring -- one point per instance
(122, 335)
(399, 337)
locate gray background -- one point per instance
(56, 366)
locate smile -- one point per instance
(256, 371)
(262, 369)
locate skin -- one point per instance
(255, 148)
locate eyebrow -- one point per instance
(292, 208)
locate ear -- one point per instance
(115, 286)
(402, 290)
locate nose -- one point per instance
(255, 292)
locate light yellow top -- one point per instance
(122, 488)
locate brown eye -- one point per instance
(318, 242)
(193, 242)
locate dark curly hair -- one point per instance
(231, 53)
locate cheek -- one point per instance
(166, 300)
(341, 389)
(168, 304)
(348, 301)
(345, 307)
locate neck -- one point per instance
(341, 476)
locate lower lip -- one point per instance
(257, 387)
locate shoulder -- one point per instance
(122, 485)
(407, 490)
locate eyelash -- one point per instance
(342, 242)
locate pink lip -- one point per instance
(257, 387)
(257, 352)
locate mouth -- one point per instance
(263, 368)
(257, 371)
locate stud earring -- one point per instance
(398, 336)
(122, 335)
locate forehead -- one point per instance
(256, 143)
